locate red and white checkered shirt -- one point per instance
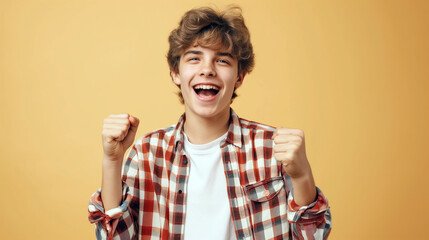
(155, 178)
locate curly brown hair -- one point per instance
(213, 29)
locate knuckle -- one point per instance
(294, 147)
(114, 132)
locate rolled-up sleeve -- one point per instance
(119, 222)
(309, 222)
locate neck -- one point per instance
(202, 130)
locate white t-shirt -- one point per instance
(208, 214)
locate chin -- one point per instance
(209, 111)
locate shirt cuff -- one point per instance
(313, 210)
(106, 221)
(117, 212)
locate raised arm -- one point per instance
(289, 149)
(308, 209)
(118, 134)
(110, 205)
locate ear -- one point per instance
(240, 79)
(175, 77)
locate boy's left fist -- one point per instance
(289, 149)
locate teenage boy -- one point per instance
(212, 175)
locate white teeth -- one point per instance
(206, 87)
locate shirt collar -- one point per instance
(234, 135)
(234, 131)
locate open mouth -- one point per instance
(203, 90)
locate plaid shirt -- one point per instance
(155, 177)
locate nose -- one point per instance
(207, 69)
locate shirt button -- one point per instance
(266, 193)
(180, 191)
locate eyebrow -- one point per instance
(200, 53)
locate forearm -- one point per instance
(111, 188)
(304, 190)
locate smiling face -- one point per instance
(207, 79)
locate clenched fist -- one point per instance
(289, 149)
(118, 134)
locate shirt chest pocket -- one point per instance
(264, 190)
(267, 206)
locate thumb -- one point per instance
(133, 127)
(129, 139)
(134, 124)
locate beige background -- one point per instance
(353, 74)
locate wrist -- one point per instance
(303, 179)
(304, 189)
(112, 163)
(113, 159)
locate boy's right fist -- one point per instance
(118, 134)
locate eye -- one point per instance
(192, 59)
(223, 61)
